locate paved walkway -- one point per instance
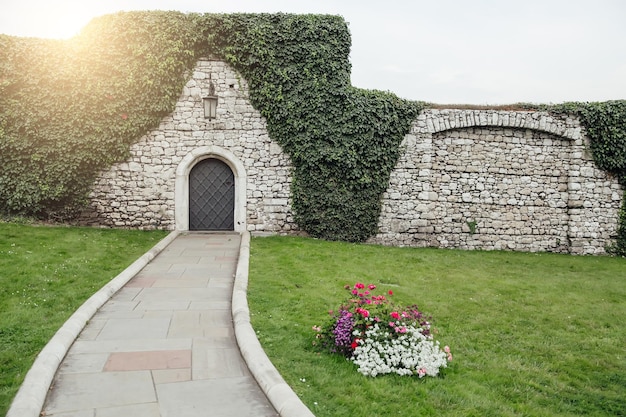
(164, 345)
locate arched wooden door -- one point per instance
(211, 196)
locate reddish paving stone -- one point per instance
(138, 361)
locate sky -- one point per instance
(440, 51)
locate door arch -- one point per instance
(181, 190)
(211, 196)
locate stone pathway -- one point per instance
(164, 345)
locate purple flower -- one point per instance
(343, 331)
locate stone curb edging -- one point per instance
(30, 398)
(282, 397)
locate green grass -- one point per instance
(46, 273)
(531, 334)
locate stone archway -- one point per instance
(182, 187)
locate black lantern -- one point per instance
(210, 102)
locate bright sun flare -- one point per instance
(54, 20)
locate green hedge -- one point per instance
(69, 109)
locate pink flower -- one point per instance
(395, 315)
(446, 349)
(421, 372)
(392, 324)
(359, 286)
(355, 292)
(371, 287)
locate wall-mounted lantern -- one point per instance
(210, 103)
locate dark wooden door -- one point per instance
(211, 196)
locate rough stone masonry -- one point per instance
(474, 179)
(488, 179)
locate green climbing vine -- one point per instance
(605, 123)
(606, 126)
(72, 108)
(69, 109)
(343, 141)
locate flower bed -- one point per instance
(381, 338)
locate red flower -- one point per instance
(395, 315)
(355, 343)
(390, 292)
(359, 286)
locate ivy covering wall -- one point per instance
(605, 123)
(69, 109)
(343, 141)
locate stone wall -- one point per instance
(474, 179)
(149, 190)
(486, 179)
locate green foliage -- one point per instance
(606, 126)
(605, 123)
(46, 273)
(71, 108)
(531, 334)
(343, 141)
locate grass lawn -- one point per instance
(531, 334)
(46, 273)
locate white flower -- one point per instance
(411, 353)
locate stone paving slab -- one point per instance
(150, 360)
(85, 391)
(227, 397)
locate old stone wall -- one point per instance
(486, 179)
(150, 189)
(474, 179)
